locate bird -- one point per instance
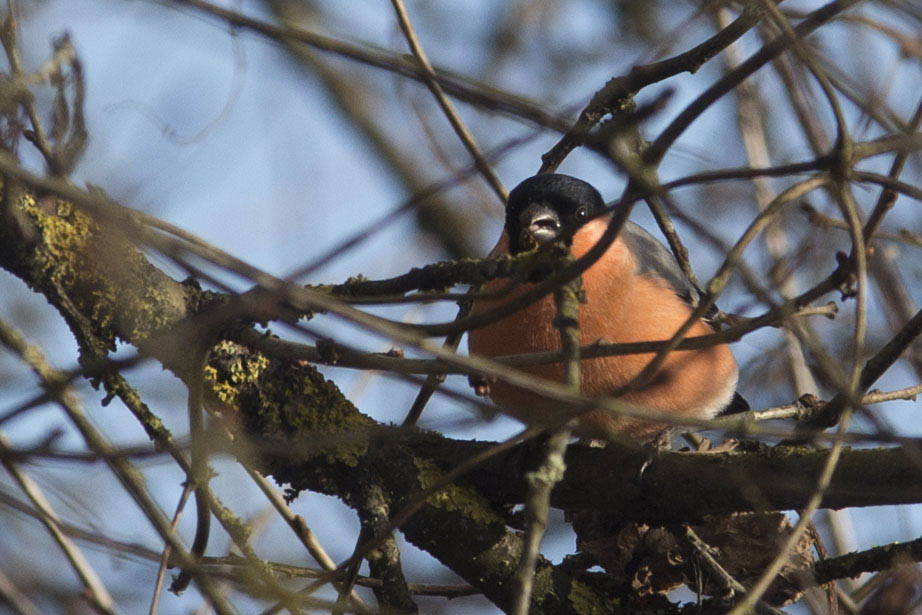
(635, 292)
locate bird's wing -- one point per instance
(653, 258)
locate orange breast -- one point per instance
(621, 307)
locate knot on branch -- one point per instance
(328, 352)
(845, 277)
(481, 384)
(809, 407)
(616, 95)
(843, 159)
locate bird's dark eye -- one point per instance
(582, 214)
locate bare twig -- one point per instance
(615, 96)
(98, 595)
(816, 19)
(165, 556)
(123, 470)
(8, 36)
(200, 473)
(720, 279)
(13, 597)
(462, 88)
(752, 131)
(342, 355)
(733, 586)
(551, 469)
(888, 197)
(854, 384)
(303, 532)
(447, 108)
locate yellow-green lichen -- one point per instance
(223, 390)
(374, 554)
(239, 368)
(285, 400)
(149, 306)
(245, 367)
(584, 600)
(452, 497)
(107, 279)
(543, 590)
(65, 235)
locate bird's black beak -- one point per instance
(539, 225)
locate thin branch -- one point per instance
(733, 586)
(803, 409)
(116, 385)
(817, 18)
(83, 534)
(8, 36)
(98, 595)
(829, 222)
(199, 473)
(448, 109)
(303, 532)
(341, 355)
(888, 196)
(854, 386)
(402, 516)
(749, 108)
(873, 369)
(721, 278)
(843, 138)
(909, 393)
(435, 214)
(123, 470)
(679, 251)
(551, 468)
(458, 86)
(615, 96)
(871, 560)
(435, 379)
(165, 556)
(13, 597)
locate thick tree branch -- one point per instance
(681, 486)
(106, 289)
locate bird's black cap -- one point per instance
(562, 193)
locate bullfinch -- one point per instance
(635, 292)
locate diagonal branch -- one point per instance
(448, 109)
